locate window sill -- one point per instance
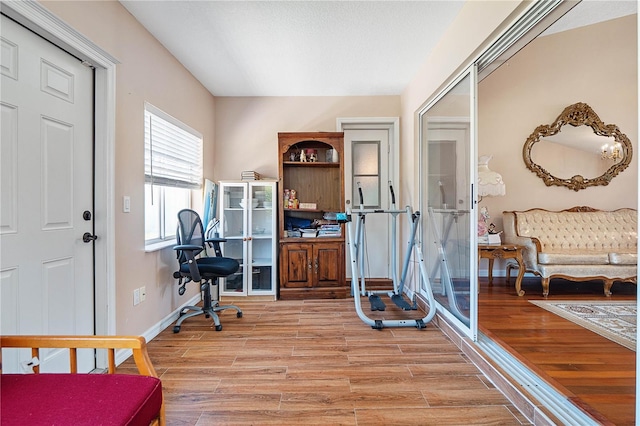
(151, 247)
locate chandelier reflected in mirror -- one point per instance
(611, 152)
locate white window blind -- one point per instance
(172, 151)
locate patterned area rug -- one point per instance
(614, 320)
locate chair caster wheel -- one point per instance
(176, 329)
(239, 315)
(218, 327)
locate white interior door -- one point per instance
(367, 157)
(47, 167)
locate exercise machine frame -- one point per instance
(358, 281)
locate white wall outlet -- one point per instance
(143, 293)
(136, 297)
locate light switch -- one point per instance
(126, 204)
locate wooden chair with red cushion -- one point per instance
(72, 398)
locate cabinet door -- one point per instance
(328, 266)
(233, 220)
(296, 265)
(261, 232)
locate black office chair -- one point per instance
(204, 270)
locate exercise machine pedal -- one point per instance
(401, 303)
(376, 303)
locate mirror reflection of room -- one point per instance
(574, 151)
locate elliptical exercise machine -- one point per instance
(356, 239)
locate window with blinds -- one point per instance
(172, 168)
(172, 151)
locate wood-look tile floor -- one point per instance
(315, 362)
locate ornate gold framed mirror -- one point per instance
(585, 147)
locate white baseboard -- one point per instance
(496, 273)
(154, 330)
(409, 292)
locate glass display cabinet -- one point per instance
(248, 223)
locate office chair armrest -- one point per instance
(215, 244)
(215, 240)
(190, 251)
(188, 247)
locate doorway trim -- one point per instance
(41, 21)
(392, 124)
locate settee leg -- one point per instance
(545, 286)
(607, 287)
(508, 272)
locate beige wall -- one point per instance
(477, 24)
(247, 128)
(147, 72)
(534, 86)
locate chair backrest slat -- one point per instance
(73, 360)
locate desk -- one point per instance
(503, 251)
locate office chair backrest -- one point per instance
(190, 231)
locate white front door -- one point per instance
(46, 269)
(367, 163)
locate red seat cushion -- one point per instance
(79, 399)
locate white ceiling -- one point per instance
(298, 48)
(312, 47)
(589, 12)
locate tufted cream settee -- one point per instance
(578, 244)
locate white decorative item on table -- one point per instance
(490, 184)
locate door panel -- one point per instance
(47, 161)
(57, 174)
(328, 264)
(296, 259)
(447, 173)
(8, 168)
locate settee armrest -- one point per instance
(531, 245)
(529, 252)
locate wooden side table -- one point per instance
(503, 251)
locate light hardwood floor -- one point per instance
(315, 362)
(590, 370)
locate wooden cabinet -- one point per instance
(312, 270)
(311, 164)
